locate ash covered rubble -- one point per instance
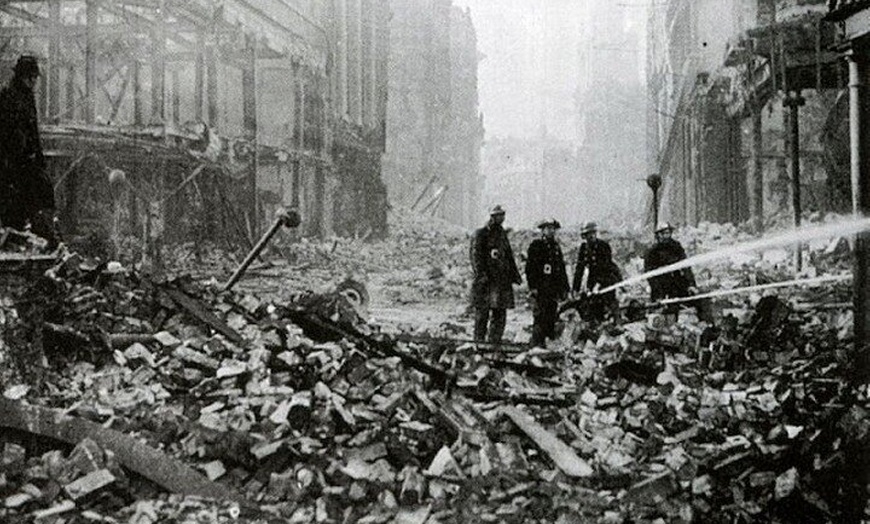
(157, 401)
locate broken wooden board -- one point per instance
(326, 330)
(563, 456)
(544, 398)
(90, 483)
(456, 342)
(197, 311)
(169, 473)
(459, 416)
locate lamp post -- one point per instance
(654, 182)
(793, 102)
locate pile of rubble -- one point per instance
(155, 401)
(305, 428)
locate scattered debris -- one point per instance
(293, 406)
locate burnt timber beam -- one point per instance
(152, 464)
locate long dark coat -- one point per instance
(24, 186)
(545, 269)
(494, 267)
(675, 284)
(596, 255)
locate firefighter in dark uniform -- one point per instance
(676, 284)
(548, 281)
(26, 193)
(495, 273)
(595, 270)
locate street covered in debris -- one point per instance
(403, 262)
(297, 404)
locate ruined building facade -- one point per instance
(746, 114)
(435, 131)
(219, 112)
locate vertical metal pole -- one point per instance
(211, 72)
(686, 168)
(756, 170)
(137, 93)
(54, 61)
(342, 55)
(91, 61)
(176, 96)
(366, 42)
(158, 66)
(354, 62)
(654, 182)
(211, 84)
(859, 126)
(302, 115)
(42, 97)
(198, 77)
(70, 96)
(793, 102)
(249, 120)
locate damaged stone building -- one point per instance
(209, 115)
(747, 117)
(434, 139)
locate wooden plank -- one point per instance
(90, 483)
(144, 460)
(196, 310)
(462, 419)
(563, 456)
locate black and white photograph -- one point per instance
(434, 261)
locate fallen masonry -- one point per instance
(159, 400)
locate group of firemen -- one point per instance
(495, 273)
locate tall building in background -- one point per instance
(434, 130)
(611, 111)
(730, 82)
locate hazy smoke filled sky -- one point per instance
(529, 73)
